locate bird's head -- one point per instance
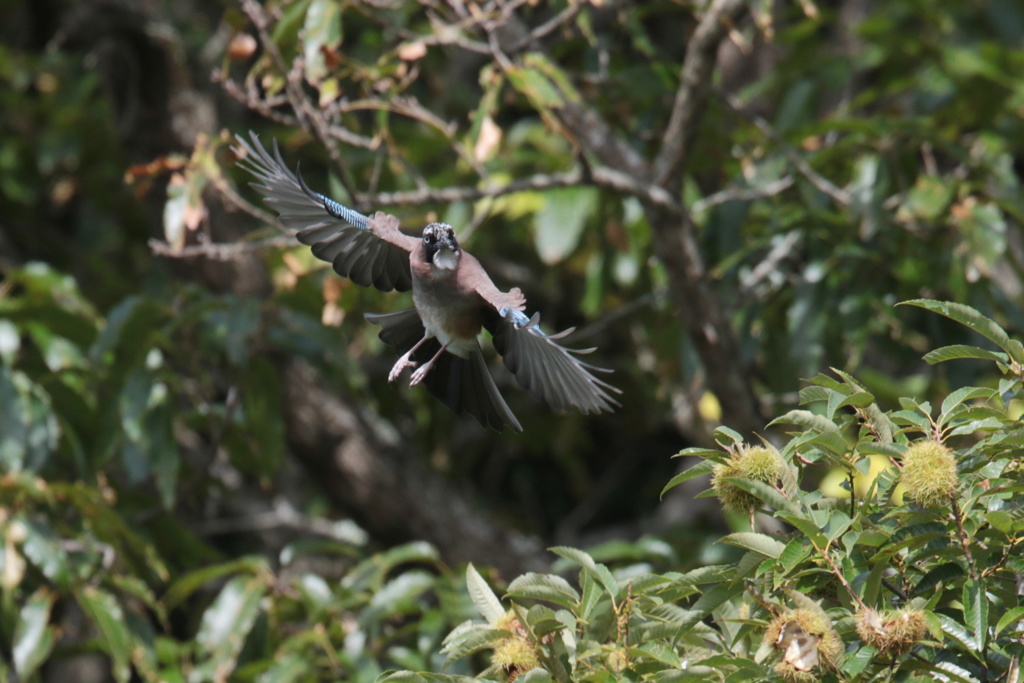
(441, 247)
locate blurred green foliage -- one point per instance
(124, 388)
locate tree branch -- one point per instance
(694, 85)
(823, 184)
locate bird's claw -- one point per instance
(401, 365)
(419, 375)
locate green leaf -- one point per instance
(483, 597)
(700, 452)
(105, 612)
(181, 589)
(537, 675)
(873, 583)
(805, 418)
(599, 571)
(226, 623)
(759, 543)
(976, 612)
(592, 596)
(472, 640)
(535, 86)
(373, 570)
(766, 493)
(795, 552)
(832, 442)
(961, 396)
(727, 437)
(33, 636)
(969, 317)
(880, 423)
(43, 550)
(700, 469)
(399, 596)
(1013, 616)
(289, 668)
(559, 223)
(838, 523)
(809, 528)
(958, 351)
(321, 34)
(544, 587)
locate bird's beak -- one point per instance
(447, 255)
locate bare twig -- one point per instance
(742, 194)
(623, 182)
(456, 194)
(549, 26)
(221, 251)
(694, 84)
(823, 184)
(770, 263)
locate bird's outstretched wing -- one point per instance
(545, 368)
(371, 251)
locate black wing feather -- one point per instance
(337, 234)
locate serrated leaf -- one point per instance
(832, 442)
(759, 543)
(700, 469)
(976, 605)
(1012, 616)
(592, 596)
(969, 317)
(700, 453)
(860, 399)
(873, 583)
(962, 395)
(879, 423)
(765, 493)
(487, 603)
(727, 437)
(810, 529)
(422, 677)
(546, 587)
(805, 418)
(794, 553)
(472, 641)
(598, 570)
(536, 675)
(958, 351)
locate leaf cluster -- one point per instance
(868, 588)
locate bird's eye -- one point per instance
(429, 238)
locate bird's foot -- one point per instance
(401, 365)
(419, 375)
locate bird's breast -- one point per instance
(452, 316)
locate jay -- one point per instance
(453, 299)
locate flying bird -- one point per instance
(453, 299)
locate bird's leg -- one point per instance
(421, 372)
(404, 361)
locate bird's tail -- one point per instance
(463, 384)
